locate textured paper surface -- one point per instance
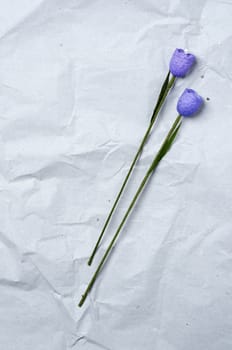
(78, 82)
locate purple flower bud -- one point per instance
(181, 63)
(189, 103)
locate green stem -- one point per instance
(161, 153)
(157, 108)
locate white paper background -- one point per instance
(78, 82)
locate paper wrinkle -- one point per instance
(78, 85)
(21, 21)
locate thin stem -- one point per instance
(151, 169)
(157, 108)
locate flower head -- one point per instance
(189, 103)
(181, 63)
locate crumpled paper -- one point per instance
(79, 80)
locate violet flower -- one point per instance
(181, 63)
(189, 103)
(179, 66)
